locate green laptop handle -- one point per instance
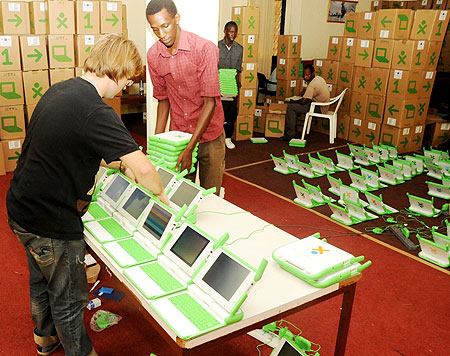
(209, 191)
(111, 171)
(97, 189)
(181, 213)
(221, 241)
(234, 318)
(238, 304)
(261, 269)
(191, 219)
(182, 174)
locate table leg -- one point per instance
(344, 320)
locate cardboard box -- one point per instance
(382, 54)
(395, 136)
(424, 4)
(433, 53)
(115, 103)
(333, 90)
(249, 75)
(38, 17)
(371, 133)
(319, 66)
(346, 100)
(288, 69)
(29, 109)
(375, 108)
(358, 106)
(92, 273)
(60, 74)
(79, 72)
(111, 17)
(84, 45)
(416, 138)
(124, 21)
(61, 51)
(247, 101)
(404, 84)
(61, 17)
(437, 131)
(9, 48)
(422, 111)
(15, 18)
(413, 5)
(426, 83)
(87, 17)
(250, 44)
(345, 77)
(243, 127)
(11, 89)
(362, 78)
(439, 4)
(348, 53)
(366, 25)
(289, 46)
(277, 107)
(12, 122)
(327, 69)
(364, 53)
(247, 19)
(343, 126)
(275, 124)
(11, 153)
(409, 54)
(259, 120)
(34, 52)
(287, 88)
(400, 113)
(351, 24)
(379, 81)
(35, 84)
(430, 25)
(378, 5)
(394, 23)
(398, 4)
(356, 130)
(2, 162)
(335, 48)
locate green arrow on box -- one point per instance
(17, 20)
(114, 19)
(371, 136)
(357, 132)
(392, 110)
(36, 54)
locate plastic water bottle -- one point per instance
(94, 303)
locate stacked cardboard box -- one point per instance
(444, 59)
(410, 4)
(388, 61)
(44, 43)
(247, 19)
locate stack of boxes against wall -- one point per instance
(247, 19)
(387, 59)
(42, 43)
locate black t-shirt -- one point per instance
(70, 131)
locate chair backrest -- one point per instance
(338, 99)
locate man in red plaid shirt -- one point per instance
(183, 70)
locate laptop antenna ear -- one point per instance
(261, 269)
(181, 213)
(182, 174)
(209, 191)
(221, 241)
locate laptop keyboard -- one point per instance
(135, 250)
(114, 228)
(97, 211)
(192, 310)
(161, 277)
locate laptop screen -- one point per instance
(225, 276)
(116, 188)
(184, 194)
(157, 220)
(136, 203)
(165, 176)
(287, 350)
(189, 246)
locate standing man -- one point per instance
(71, 132)
(183, 70)
(317, 90)
(230, 57)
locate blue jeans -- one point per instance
(58, 288)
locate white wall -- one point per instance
(136, 23)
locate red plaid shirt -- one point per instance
(185, 78)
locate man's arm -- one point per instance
(162, 115)
(185, 157)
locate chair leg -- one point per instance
(305, 124)
(331, 130)
(309, 123)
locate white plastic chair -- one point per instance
(331, 115)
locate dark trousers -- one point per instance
(230, 113)
(293, 111)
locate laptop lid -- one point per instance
(115, 190)
(132, 207)
(188, 247)
(421, 205)
(340, 214)
(317, 165)
(185, 193)
(303, 196)
(286, 348)
(280, 164)
(168, 178)
(225, 278)
(433, 252)
(344, 161)
(335, 184)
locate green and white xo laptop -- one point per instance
(213, 299)
(189, 194)
(287, 348)
(153, 231)
(345, 161)
(377, 206)
(438, 190)
(422, 206)
(123, 222)
(110, 193)
(440, 239)
(434, 253)
(335, 185)
(180, 260)
(281, 165)
(372, 180)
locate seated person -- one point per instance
(317, 90)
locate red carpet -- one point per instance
(401, 305)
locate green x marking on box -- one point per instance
(422, 27)
(62, 20)
(37, 90)
(362, 82)
(402, 58)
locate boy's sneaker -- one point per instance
(229, 143)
